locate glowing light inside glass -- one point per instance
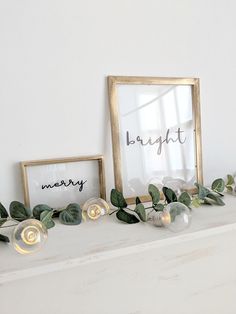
(29, 236)
(96, 207)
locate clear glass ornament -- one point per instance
(176, 217)
(29, 236)
(95, 208)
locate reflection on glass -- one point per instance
(157, 134)
(176, 217)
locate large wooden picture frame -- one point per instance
(58, 182)
(156, 132)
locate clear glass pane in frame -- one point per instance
(80, 182)
(156, 135)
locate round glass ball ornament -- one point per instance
(95, 208)
(29, 236)
(176, 217)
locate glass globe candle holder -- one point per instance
(29, 236)
(94, 208)
(176, 217)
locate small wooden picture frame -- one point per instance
(58, 182)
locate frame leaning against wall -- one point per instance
(58, 182)
(124, 89)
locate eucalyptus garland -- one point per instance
(72, 214)
(204, 195)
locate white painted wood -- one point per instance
(86, 269)
(191, 277)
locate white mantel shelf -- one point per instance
(107, 238)
(107, 267)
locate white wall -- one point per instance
(55, 56)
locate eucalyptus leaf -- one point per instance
(137, 200)
(56, 212)
(3, 214)
(38, 209)
(196, 202)
(46, 219)
(185, 198)
(216, 199)
(159, 207)
(154, 193)
(219, 193)
(72, 215)
(229, 188)
(117, 199)
(218, 185)
(169, 195)
(202, 191)
(3, 211)
(126, 217)
(18, 211)
(140, 210)
(230, 180)
(4, 238)
(207, 201)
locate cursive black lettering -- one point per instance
(159, 141)
(47, 186)
(80, 183)
(179, 136)
(128, 141)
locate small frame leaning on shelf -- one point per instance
(58, 182)
(156, 132)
